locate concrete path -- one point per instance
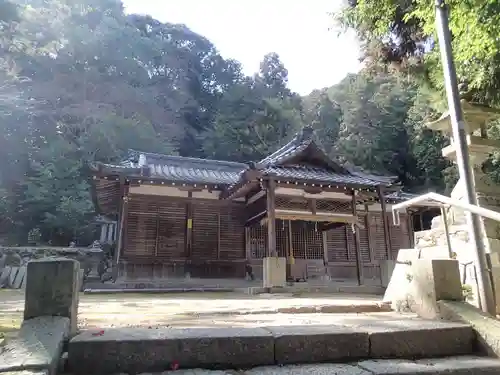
(190, 309)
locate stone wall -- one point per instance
(14, 260)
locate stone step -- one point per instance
(440, 366)
(37, 347)
(135, 350)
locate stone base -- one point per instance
(37, 347)
(422, 283)
(274, 272)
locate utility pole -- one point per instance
(486, 297)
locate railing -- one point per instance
(439, 200)
(433, 199)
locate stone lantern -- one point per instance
(487, 192)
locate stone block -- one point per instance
(310, 343)
(446, 277)
(418, 338)
(27, 372)
(274, 272)
(433, 280)
(37, 347)
(439, 366)
(52, 289)
(136, 350)
(316, 369)
(486, 327)
(399, 278)
(417, 284)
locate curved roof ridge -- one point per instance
(177, 158)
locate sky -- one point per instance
(300, 31)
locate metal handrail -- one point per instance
(444, 202)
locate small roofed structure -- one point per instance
(295, 214)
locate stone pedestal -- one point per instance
(274, 272)
(52, 289)
(423, 282)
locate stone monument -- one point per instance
(487, 192)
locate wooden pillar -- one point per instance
(122, 220)
(218, 233)
(189, 226)
(411, 233)
(355, 235)
(371, 248)
(289, 254)
(385, 222)
(271, 218)
(325, 253)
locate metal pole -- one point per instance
(485, 291)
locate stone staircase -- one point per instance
(357, 345)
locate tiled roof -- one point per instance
(298, 144)
(318, 174)
(191, 170)
(285, 163)
(401, 196)
(302, 141)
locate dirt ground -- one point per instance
(186, 310)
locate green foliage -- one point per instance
(401, 35)
(84, 82)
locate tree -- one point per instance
(273, 77)
(326, 117)
(401, 35)
(248, 126)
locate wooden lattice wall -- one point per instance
(157, 229)
(156, 233)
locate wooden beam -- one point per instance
(271, 222)
(385, 222)
(355, 235)
(327, 226)
(255, 219)
(312, 205)
(255, 197)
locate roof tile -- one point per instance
(318, 174)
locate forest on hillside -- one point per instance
(81, 81)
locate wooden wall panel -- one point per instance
(205, 230)
(377, 235)
(400, 235)
(140, 241)
(232, 231)
(172, 229)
